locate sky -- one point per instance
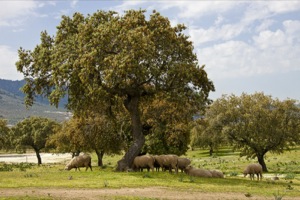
(246, 46)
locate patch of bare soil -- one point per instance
(151, 192)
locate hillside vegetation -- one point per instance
(13, 109)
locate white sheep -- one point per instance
(80, 161)
(191, 171)
(252, 169)
(216, 174)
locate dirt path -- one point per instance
(152, 192)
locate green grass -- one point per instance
(52, 176)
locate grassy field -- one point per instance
(286, 166)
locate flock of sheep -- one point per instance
(167, 162)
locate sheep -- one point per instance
(158, 160)
(84, 160)
(145, 161)
(167, 162)
(191, 171)
(252, 169)
(216, 174)
(183, 163)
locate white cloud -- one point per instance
(74, 3)
(269, 52)
(260, 10)
(225, 32)
(268, 39)
(292, 29)
(127, 5)
(197, 9)
(280, 7)
(8, 59)
(265, 24)
(12, 13)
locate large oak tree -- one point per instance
(256, 124)
(106, 57)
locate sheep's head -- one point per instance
(68, 167)
(188, 168)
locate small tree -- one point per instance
(91, 133)
(207, 133)
(257, 124)
(33, 132)
(68, 138)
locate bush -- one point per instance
(290, 176)
(6, 168)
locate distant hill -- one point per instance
(13, 109)
(14, 87)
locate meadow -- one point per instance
(22, 176)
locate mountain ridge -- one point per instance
(13, 108)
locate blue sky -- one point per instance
(247, 46)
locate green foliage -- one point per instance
(33, 132)
(109, 63)
(256, 124)
(290, 176)
(207, 133)
(92, 133)
(6, 168)
(170, 125)
(233, 173)
(20, 166)
(4, 135)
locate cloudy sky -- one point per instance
(247, 46)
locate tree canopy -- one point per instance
(33, 132)
(4, 134)
(256, 124)
(92, 133)
(107, 61)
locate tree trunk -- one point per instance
(261, 161)
(76, 153)
(132, 105)
(211, 150)
(100, 155)
(37, 152)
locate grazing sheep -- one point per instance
(183, 163)
(167, 162)
(158, 160)
(252, 169)
(80, 161)
(191, 171)
(145, 161)
(216, 174)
